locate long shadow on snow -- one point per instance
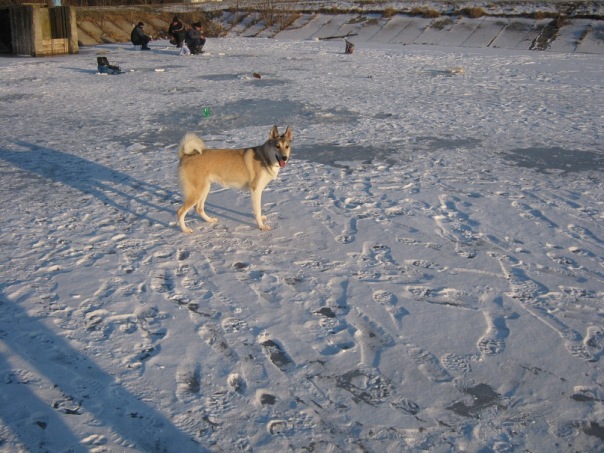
(90, 178)
(114, 407)
(22, 410)
(98, 180)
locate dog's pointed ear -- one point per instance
(288, 134)
(274, 133)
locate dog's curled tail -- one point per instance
(190, 144)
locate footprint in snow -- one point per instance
(372, 338)
(188, 380)
(594, 340)
(237, 383)
(278, 427)
(162, 281)
(216, 340)
(389, 301)
(584, 234)
(493, 340)
(276, 353)
(406, 405)
(428, 364)
(457, 364)
(343, 234)
(366, 384)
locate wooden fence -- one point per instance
(39, 31)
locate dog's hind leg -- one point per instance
(200, 208)
(193, 196)
(182, 212)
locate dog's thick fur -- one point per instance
(244, 168)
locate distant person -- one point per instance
(195, 39)
(177, 31)
(139, 38)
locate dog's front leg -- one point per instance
(257, 206)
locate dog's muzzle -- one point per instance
(281, 160)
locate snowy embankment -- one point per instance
(552, 26)
(433, 280)
(515, 33)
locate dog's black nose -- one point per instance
(284, 158)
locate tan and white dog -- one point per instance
(243, 168)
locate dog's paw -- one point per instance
(187, 230)
(264, 227)
(212, 219)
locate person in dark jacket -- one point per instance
(195, 40)
(177, 31)
(139, 38)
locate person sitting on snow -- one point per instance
(139, 38)
(177, 31)
(195, 40)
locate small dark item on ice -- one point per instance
(258, 76)
(105, 67)
(349, 47)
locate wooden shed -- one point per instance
(38, 30)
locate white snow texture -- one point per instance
(433, 279)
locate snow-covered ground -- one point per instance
(433, 280)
